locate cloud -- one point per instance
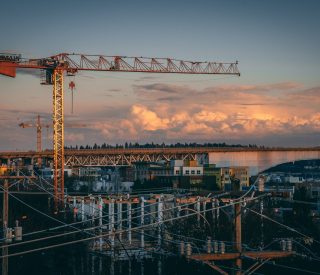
(113, 90)
(147, 78)
(208, 116)
(223, 112)
(149, 120)
(219, 124)
(289, 85)
(162, 112)
(311, 95)
(245, 95)
(198, 128)
(74, 137)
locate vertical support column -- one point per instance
(129, 214)
(32, 165)
(90, 207)
(238, 240)
(100, 220)
(213, 212)
(198, 209)
(175, 209)
(261, 225)
(5, 211)
(188, 249)
(209, 245)
(75, 210)
(204, 210)
(82, 209)
(181, 248)
(142, 221)
(39, 138)
(100, 210)
(119, 217)
(111, 222)
(142, 211)
(58, 135)
(93, 210)
(160, 218)
(65, 199)
(111, 215)
(5, 266)
(217, 214)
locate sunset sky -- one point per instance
(275, 101)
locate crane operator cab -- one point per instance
(51, 64)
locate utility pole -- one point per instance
(261, 257)
(7, 233)
(5, 219)
(238, 240)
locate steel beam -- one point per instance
(235, 255)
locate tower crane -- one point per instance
(39, 126)
(55, 67)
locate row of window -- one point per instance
(193, 172)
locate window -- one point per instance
(187, 172)
(192, 172)
(177, 172)
(198, 172)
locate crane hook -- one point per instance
(72, 86)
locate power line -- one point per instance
(293, 268)
(136, 229)
(42, 213)
(252, 186)
(122, 231)
(80, 230)
(69, 225)
(283, 225)
(95, 208)
(65, 225)
(298, 201)
(236, 269)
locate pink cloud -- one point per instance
(149, 120)
(74, 137)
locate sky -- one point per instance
(275, 101)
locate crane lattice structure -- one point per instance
(55, 67)
(39, 126)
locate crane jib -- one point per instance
(53, 69)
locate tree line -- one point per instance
(157, 145)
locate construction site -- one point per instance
(129, 163)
